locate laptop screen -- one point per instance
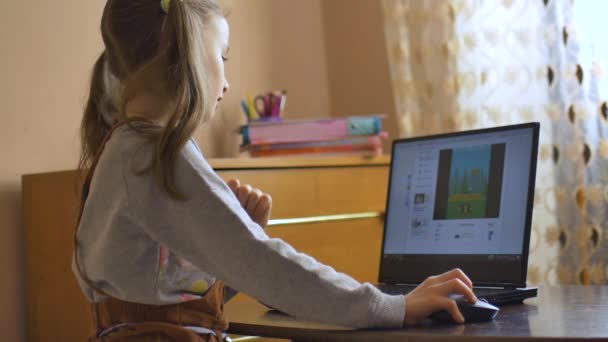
(461, 200)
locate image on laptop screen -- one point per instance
(462, 198)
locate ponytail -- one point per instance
(99, 114)
(188, 81)
(151, 48)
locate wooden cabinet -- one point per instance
(341, 199)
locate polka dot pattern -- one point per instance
(460, 64)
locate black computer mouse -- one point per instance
(478, 312)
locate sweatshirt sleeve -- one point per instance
(212, 231)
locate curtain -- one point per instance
(458, 64)
(418, 35)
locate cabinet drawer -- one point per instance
(351, 246)
(301, 187)
(319, 191)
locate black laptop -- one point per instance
(462, 200)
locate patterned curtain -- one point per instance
(418, 35)
(459, 64)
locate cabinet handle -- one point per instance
(246, 338)
(325, 218)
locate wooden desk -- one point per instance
(302, 188)
(566, 313)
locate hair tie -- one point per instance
(164, 5)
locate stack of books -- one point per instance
(350, 136)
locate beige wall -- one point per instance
(47, 48)
(275, 44)
(357, 60)
(47, 51)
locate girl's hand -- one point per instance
(256, 203)
(433, 295)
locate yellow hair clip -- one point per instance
(164, 4)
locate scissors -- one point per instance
(269, 105)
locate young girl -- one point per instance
(160, 233)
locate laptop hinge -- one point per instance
(484, 286)
(505, 287)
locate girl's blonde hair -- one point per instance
(147, 49)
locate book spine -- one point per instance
(365, 154)
(319, 130)
(317, 150)
(375, 140)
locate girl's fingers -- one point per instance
(456, 286)
(252, 200)
(263, 207)
(234, 184)
(243, 194)
(256, 203)
(434, 294)
(453, 274)
(451, 307)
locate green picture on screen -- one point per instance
(469, 182)
(468, 185)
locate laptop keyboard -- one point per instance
(404, 289)
(492, 296)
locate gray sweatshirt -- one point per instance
(138, 244)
